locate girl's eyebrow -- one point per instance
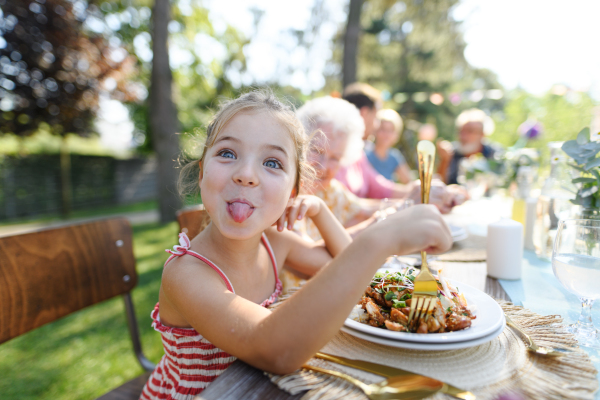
(222, 138)
(278, 148)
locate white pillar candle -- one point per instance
(505, 249)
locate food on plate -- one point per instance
(387, 300)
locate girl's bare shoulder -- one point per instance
(188, 272)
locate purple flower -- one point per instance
(530, 129)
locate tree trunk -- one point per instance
(351, 43)
(163, 114)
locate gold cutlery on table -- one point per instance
(425, 287)
(386, 371)
(399, 387)
(532, 346)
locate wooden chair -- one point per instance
(52, 273)
(192, 220)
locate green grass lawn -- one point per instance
(89, 353)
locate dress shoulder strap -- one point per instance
(184, 248)
(278, 284)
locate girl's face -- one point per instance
(325, 155)
(248, 174)
(386, 134)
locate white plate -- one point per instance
(425, 346)
(489, 319)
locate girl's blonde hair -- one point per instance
(389, 115)
(256, 101)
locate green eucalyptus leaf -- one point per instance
(584, 180)
(578, 168)
(588, 192)
(596, 174)
(583, 136)
(574, 151)
(570, 146)
(592, 164)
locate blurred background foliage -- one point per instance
(61, 58)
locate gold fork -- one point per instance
(425, 289)
(398, 387)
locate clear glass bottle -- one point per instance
(525, 179)
(554, 202)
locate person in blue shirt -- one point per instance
(383, 156)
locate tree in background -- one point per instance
(163, 114)
(351, 35)
(54, 70)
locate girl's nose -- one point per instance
(246, 175)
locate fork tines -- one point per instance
(424, 296)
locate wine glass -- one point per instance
(576, 264)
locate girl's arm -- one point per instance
(281, 341)
(403, 173)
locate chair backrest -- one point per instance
(192, 220)
(48, 274)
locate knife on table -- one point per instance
(387, 372)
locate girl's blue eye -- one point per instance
(273, 164)
(226, 154)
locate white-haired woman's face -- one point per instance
(326, 152)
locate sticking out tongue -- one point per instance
(239, 211)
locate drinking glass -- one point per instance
(576, 264)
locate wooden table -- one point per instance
(241, 381)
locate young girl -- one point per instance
(215, 288)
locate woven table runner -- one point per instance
(500, 366)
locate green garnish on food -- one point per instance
(398, 304)
(390, 296)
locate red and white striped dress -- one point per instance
(191, 362)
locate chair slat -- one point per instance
(192, 220)
(48, 274)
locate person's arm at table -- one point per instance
(403, 173)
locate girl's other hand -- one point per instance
(302, 206)
(417, 228)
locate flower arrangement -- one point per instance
(583, 152)
(514, 159)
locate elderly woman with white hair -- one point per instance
(472, 126)
(336, 128)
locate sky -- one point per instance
(533, 44)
